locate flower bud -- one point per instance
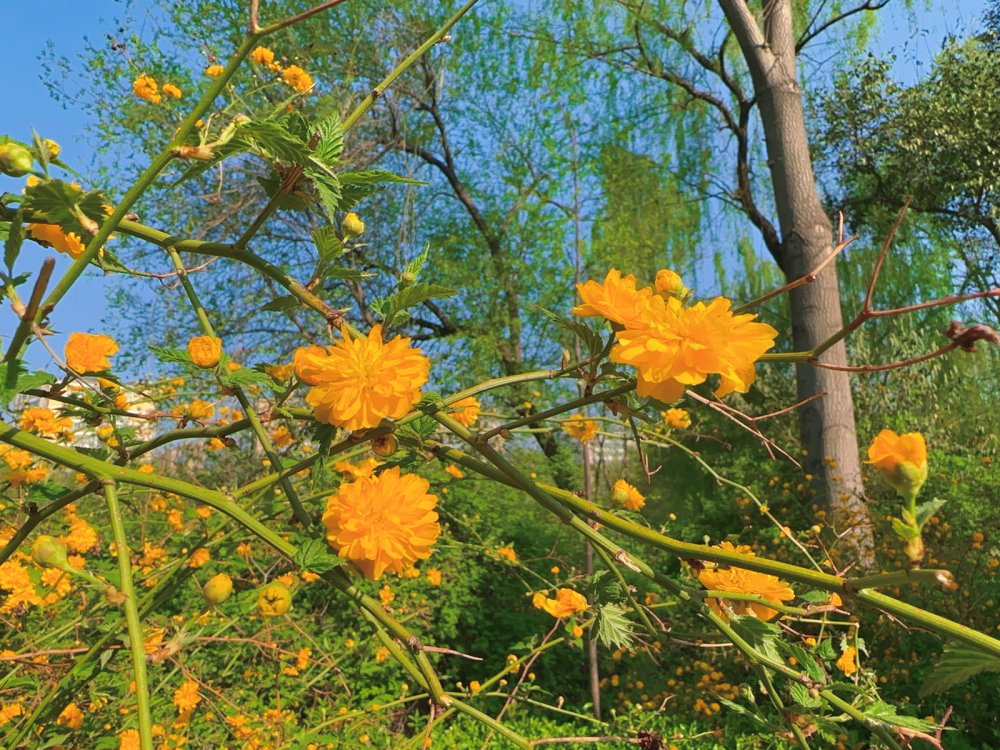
(49, 552)
(407, 279)
(352, 226)
(104, 432)
(384, 445)
(218, 589)
(15, 159)
(274, 599)
(53, 148)
(619, 495)
(902, 459)
(115, 597)
(669, 284)
(205, 351)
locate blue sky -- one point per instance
(915, 35)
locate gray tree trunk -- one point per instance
(827, 423)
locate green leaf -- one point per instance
(416, 265)
(328, 245)
(280, 304)
(274, 140)
(825, 650)
(806, 660)
(315, 555)
(375, 177)
(815, 597)
(14, 379)
(59, 202)
(887, 715)
(614, 629)
(957, 664)
(340, 273)
(168, 355)
(414, 295)
(328, 189)
(742, 710)
(12, 245)
(800, 694)
(928, 509)
(352, 195)
(905, 530)
(245, 376)
(759, 634)
(605, 589)
(331, 141)
(590, 338)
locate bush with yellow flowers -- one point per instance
(235, 552)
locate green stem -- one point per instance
(132, 621)
(436, 37)
(942, 577)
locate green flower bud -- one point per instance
(15, 159)
(274, 599)
(53, 148)
(218, 589)
(49, 552)
(352, 226)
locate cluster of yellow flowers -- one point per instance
(146, 88)
(294, 76)
(581, 428)
(673, 345)
(738, 580)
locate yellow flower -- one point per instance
(434, 576)
(382, 654)
(566, 603)
(364, 469)
(218, 589)
(577, 631)
(205, 351)
(902, 459)
(581, 428)
(351, 226)
(469, 410)
(87, 353)
(71, 717)
(50, 234)
(454, 471)
(281, 373)
(538, 600)
(625, 495)
(474, 686)
(214, 71)
(297, 78)
(186, 697)
(172, 90)
(274, 599)
(199, 557)
(769, 587)
(847, 662)
(361, 381)
(144, 87)
(386, 596)
(129, 740)
(508, 553)
(669, 284)
(678, 418)
(282, 437)
(81, 536)
(199, 409)
(382, 522)
(616, 299)
(262, 56)
(676, 346)
(44, 422)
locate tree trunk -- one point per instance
(827, 424)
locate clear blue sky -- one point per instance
(29, 27)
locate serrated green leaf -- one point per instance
(328, 244)
(614, 629)
(887, 715)
(590, 338)
(331, 141)
(280, 304)
(815, 597)
(825, 649)
(316, 556)
(928, 509)
(957, 664)
(806, 660)
(759, 634)
(415, 266)
(905, 530)
(414, 295)
(59, 202)
(168, 355)
(376, 177)
(742, 710)
(245, 376)
(800, 694)
(352, 195)
(12, 245)
(328, 191)
(274, 141)
(605, 589)
(15, 379)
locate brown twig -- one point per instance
(278, 25)
(438, 650)
(751, 428)
(879, 368)
(28, 317)
(883, 253)
(807, 279)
